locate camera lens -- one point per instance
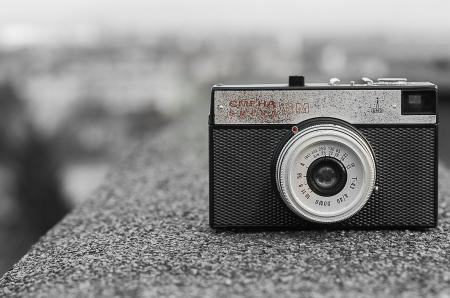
(326, 176)
(326, 171)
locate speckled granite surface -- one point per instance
(144, 233)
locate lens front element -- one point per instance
(326, 176)
(326, 172)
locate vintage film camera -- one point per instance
(328, 155)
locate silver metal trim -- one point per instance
(299, 142)
(367, 80)
(390, 80)
(371, 106)
(334, 81)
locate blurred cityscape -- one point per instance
(71, 104)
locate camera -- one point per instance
(356, 155)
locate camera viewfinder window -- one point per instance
(418, 103)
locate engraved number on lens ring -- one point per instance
(325, 140)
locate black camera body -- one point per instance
(324, 156)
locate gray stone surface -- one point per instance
(145, 233)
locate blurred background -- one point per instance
(82, 81)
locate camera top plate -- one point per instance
(386, 101)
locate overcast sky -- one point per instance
(250, 15)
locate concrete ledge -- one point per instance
(145, 233)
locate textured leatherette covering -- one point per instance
(242, 192)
